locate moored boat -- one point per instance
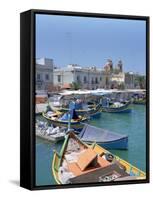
(139, 98)
(49, 133)
(115, 107)
(83, 104)
(106, 138)
(79, 163)
(139, 101)
(92, 111)
(65, 119)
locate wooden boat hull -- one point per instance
(121, 144)
(123, 109)
(94, 112)
(106, 138)
(77, 125)
(130, 169)
(139, 102)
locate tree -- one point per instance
(140, 81)
(121, 86)
(75, 86)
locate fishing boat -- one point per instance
(115, 107)
(49, 133)
(103, 137)
(139, 101)
(84, 104)
(66, 119)
(54, 107)
(78, 162)
(139, 98)
(83, 109)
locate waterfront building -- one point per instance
(49, 78)
(130, 80)
(115, 77)
(86, 77)
(44, 73)
(118, 80)
(119, 67)
(108, 67)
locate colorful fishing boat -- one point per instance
(139, 101)
(90, 110)
(139, 98)
(103, 137)
(66, 119)
(79, 163)
(115, 107)
(84, 104)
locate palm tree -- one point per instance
(75, 86)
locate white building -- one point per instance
(50, 79)
(44, 73)
(87, 77)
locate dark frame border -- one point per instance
(27, 105)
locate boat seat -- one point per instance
(87, 164)
(103, 162)
(86, 158)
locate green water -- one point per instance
(133, 124)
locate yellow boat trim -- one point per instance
(98, 149)
(81, 119)
(55, 173)
(129, 168)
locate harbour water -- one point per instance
(133, 124)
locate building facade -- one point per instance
(115, 77)
(44, 73)
(108, 77)
(86, 77)
(130, 80)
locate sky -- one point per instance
(90, 41)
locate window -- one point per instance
(38, 76)
(47, 77)
(96, 80)
(39, 87)
(92, 81)
(85, 79)
(78, 78)
(59, 78)
(100, 78)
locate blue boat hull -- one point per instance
(95, 115)
(121, 144)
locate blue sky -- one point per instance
(91, 41)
